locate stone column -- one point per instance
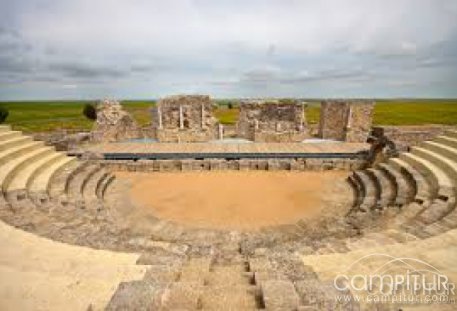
(349, 120)
(203, 116)
(159, 115)
(181, 118)
(221, 131)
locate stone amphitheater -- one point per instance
(68, 242)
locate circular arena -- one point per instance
(175, 224)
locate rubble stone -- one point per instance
(348, 121)
(113, 123)
(272, 121)
(185, 118)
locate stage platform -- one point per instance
(135, 151)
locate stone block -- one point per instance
(272, 121)
(346, 120)
(185, 118)
(279, 295)
(113, 123)
(181, 296)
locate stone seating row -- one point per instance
(29, 170)
(423, 180)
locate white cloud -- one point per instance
(173, 45)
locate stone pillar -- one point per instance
(221, 131)
(202, 124)
(181, 118)
(346, 120)
(349, 121)
(159, 115)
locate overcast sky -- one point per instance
(78, 49)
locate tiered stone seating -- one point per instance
(34, 174)
(423, 182)
(240, 283)
(41, 274)
(439, 251)
(410, 198)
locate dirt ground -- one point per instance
(234, 199)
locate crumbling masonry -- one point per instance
(272, 121)
(113, 123)
(185, 118)
(348, 121)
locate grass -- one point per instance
(48, 116)
(227, 116)
(415, 112)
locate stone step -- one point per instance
(422, 188)
(196, 270)
(228, 275)
(41, 274)
(400, 236)
(14, 142)
(41, 182)
(21, 179)
(5, 127)
(280, 295)
(161, 274)
(445, 151)
(408, 212)
(181, 296)
(448, 166)
(8, 135)
(101, 190)
(436, 211)
(58, 182)
(438, 180)
(404, 189)
(92, 184)
(136, 295)
(78, 182)
(147, 295)
(10, 169)
(385, 187)
(371, 194)
(355, 191)
(451, 133)
(70, 180)
(258, 264)
(446, 140)
(17, 151)
(229, 297)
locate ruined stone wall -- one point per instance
(236, 164)
(185, 118)
(272, 121)
(113, 123)
(409, 135)
(348, 121)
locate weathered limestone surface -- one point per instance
(113, 123)
(410, 135)
(185, 118)
(346, 120)
(239, 164)
(272, 121)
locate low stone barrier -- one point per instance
(235, 164)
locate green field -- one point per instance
(48, 116)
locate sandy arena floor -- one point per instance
(234, 199)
